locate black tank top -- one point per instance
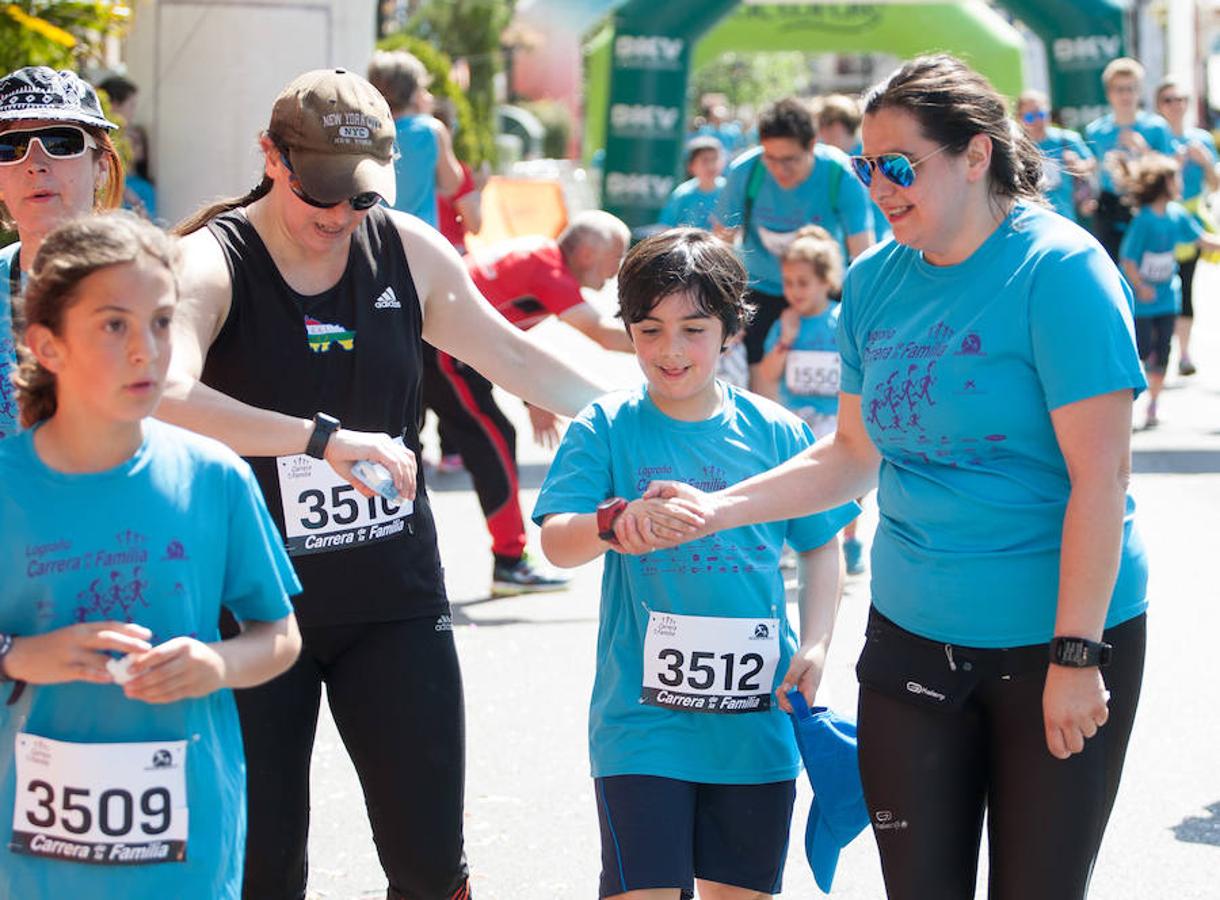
(353, 351)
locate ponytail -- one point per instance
(197, 220)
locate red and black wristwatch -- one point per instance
(608, 512)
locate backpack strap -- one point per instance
(753, 186)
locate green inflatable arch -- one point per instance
(639, 70)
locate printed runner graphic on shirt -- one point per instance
(322, 336)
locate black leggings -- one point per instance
(395, 691)
(932, 767)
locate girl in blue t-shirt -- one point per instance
(1147, 255)
(121, 766)
(802, 363)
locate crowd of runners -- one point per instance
(196, 548)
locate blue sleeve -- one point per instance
(851, 374)
(1162, 141)
(812, 531)
(1078, 145)
(772, 336)
(669, 212)
(730, 205)
(855, 210)
(258, 575)
(580, 476)
(1081, 328)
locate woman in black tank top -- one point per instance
(298, 343)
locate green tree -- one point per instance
(752, 79)
(63, 34)
(471, 30)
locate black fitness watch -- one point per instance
(323, 427)
(1079, 653)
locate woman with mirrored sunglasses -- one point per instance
(56, 163)
(988, 373)
(299, 342)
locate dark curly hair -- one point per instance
(787, 118)
(685, 260)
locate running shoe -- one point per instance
(853, 555)
(449, 464)
(523, 577)
(1186, 367)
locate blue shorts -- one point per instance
(665, 833)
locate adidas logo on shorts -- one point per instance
(387, 300)
(444, 623)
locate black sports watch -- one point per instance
(323, 427)
(1079, 653)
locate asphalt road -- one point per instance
(531, 826)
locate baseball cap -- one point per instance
(339, 134)
(827, 742)
(702, 142)
(40, 92)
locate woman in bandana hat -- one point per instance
(56, 163)
(305, 305)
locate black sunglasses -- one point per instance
(57, 142)
(360, 202)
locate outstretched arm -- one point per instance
(459, 321)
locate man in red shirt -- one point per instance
(527, 280)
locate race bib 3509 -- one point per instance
(103, 804)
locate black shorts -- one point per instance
(1152, 336)
(767, 308)
(664, 833)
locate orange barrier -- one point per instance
(514, 207)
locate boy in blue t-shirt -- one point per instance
(692, 202)
(1148, 262)
(692, 759)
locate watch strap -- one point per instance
(323, 427)
(1079, 653)
(607, 514)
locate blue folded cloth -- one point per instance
(828, 747)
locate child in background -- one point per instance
(693, 762)
(121, 537)
(692, 202)
(801, 362)
(1147, 256)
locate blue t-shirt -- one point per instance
(415, 168)
(1057, 184)
(812, 370)
(616, 447)
(1149, 243)
(958, 369)
(1194, 182)
(9, 414)
(1102, 135)
(162, 540)
(688, 206)
(778, 214)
